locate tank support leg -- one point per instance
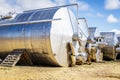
(73, 60)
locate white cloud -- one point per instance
(112, 19)
(100, 15)
(22, 5)
(72, 1)
(90, 14)
(5, 7)
(34, 4)
(60, 2)
(81, 5)
(112, 4)
(116, 31)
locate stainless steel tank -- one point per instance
(110, 49)
(83, 31)
(83, 34)
(43, 32)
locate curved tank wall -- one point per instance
(83, 32)
(83, 28)
(46, 41)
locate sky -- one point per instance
(103, 14)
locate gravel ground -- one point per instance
(95, 71)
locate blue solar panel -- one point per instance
(36, 15)
(23, 17)
(109, 37)
(92, 32)
(32, 16)
(42, 15)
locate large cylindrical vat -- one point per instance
(44, 33)
(83, 32)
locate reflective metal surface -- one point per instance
(45, 41)
(83, 32)
(94, 32)
(110, 38)
(118, 39)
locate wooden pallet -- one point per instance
(12, 58)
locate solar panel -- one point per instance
(35, 15)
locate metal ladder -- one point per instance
(12, 59)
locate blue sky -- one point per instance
(97, 15)
(103, 14)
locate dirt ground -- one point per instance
(95, 71)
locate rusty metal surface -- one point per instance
(109, 53)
